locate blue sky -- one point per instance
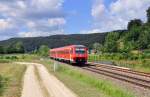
(79, 17)
(32, 18)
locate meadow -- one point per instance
(139, 62)
(11, 75)
(83, 84)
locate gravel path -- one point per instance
(31, 87)
(52, 85)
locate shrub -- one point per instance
(1, 85)
(145, 64)
(14, 57)
(102, 85)
(0, 81)
(43, 50)
(7, 57)
(4, 61)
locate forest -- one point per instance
(137, 37)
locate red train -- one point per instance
(72, 53)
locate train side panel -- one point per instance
(74, 54)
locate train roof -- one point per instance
(68, 47)
(78, 45)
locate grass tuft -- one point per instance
(104, 86)
(11, 79)
(86, 85)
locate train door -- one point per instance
(71, 53)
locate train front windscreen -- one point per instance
(80, 51)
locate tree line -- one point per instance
(13, 48)
(137, 37)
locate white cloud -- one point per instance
(31, 24)
(130, 9)
(91, 31)
(32, 34)
(98, 9)
(3, 7)
(39, 33)
(56, 21)
(5, 24)
(38, 17)
(21, 4)
(118, 13)
(47, 4)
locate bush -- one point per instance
(14, 57)
(1, 85)
(1, 57)
(146, 55)
(103, 86)
(0, 81)
(4, 61)
(43, 50)
(119, 56)
(10, 57)
(145, 64)
(146, 51)
(7, 59)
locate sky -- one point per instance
(33, 18)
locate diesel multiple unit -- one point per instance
(72, 53)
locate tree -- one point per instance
(43, 50)
(2, 50)
(134, 24)
(128, 46)
(19, 48)
(111, 42)
(148, 15)
(15, 48)
(10, 49)
(97, 47)
(144, 38)
(133, 34)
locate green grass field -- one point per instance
(11, 74)
(138, 63)
(86, 85)
(11, 79)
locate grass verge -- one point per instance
(138, 64)
(11, 79)
(86, 85)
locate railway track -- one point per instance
(122, 69)
(138, 78)
(124, 74)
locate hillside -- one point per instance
(33, 43)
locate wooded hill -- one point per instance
(33, 43)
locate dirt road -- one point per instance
(48, 86)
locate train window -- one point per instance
(80, 50)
